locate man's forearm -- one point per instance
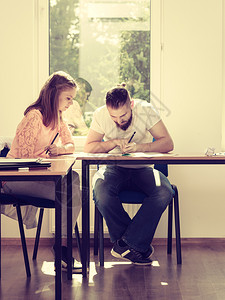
(100, 147)
(163, 145)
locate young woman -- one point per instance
(42, 121)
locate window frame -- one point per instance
(42, 52)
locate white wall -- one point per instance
(20, 74)
(191, 87)
(191, 71)
(16, 61)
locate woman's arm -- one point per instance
(67, 146)
(23, 145)
(55, 150)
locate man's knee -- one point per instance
(75, 177)
(97, 190)
(100, 192)
(165, 195)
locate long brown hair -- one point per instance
(48, 100)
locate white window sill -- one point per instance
(79, 143)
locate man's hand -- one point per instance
(129, 148)
(125, 147)
(120, 143)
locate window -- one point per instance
(100, 43)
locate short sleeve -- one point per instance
(152, 114)
(95, 124)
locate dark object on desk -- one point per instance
(132, 197)
(4, 166)
(4, 152)
(16, 165)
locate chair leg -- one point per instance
(96, 231)
(170, 226)
(23, 240)
(177, 226)
(77, 234)
(101, 240)
(38, 233)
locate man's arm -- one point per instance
(95, 144)
(163, 141)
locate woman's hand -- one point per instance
(54, 150)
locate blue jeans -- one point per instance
(139, 231)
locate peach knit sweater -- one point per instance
(32, 136)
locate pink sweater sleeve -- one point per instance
(65, 134)
(32, 137)
(23, 145)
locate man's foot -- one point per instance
(130, 254)
(76, 266)
(149, 252)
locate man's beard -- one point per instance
(126, 125)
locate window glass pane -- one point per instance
(101, 43)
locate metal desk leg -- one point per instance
(69, 224)
(0, 243)
(85, 218)
(58, 241)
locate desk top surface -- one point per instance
(170, 158)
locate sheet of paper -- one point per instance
(19, 160)
(137, 154)
(146, 154)
(4, 161)
(84, 154)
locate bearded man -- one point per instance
(112, 127)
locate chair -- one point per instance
(131, 197)
(21, 200)
(12, 201)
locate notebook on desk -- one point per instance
(15, 164)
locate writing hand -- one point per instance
(129, 148)
(121, 143)
(53, 150)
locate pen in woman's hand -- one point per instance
(52, 142)
(131, 137)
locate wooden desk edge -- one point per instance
(165, 157)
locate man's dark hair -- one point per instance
(83, 83)
(117, 97)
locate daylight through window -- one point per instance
(100, 43)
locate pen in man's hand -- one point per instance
(52, 141)
(131, 137)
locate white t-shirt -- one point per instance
(144, 117)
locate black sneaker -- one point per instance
(130, 254)
(76, 265)
(149, 252)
